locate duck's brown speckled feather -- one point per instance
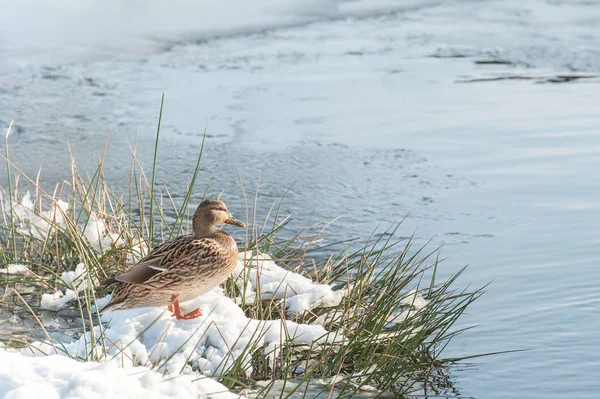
(186, 267)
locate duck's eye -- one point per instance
(222, 209)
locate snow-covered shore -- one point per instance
(136, 348)
(50, 377)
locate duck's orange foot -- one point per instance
(176, 310)
(190, 315)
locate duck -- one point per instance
(181, 269)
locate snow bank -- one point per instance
(297, 292)
(138, 339)
(211, 343)
(24, 377)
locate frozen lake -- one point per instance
(478, 121)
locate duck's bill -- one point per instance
(234, 222)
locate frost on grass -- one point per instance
(24, 377)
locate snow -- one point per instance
(98, 233)
(298, 292)
(415, 299)
(414, 303)
(36, 223)
(15, 269)
(57, 300)
(77, 279)
(212, 343)
(137, 339)
(24, 377)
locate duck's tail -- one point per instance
(112, 306)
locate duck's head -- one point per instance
(211, 213)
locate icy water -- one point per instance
(478, 121)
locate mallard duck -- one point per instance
(183, 268)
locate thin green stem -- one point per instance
(10, 194)
(154, 163)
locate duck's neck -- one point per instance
(201, 230)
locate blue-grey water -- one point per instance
(477, 121)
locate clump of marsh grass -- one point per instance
(389, 330)
(395, 320)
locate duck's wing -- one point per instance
(156, 261)
(139, 273)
